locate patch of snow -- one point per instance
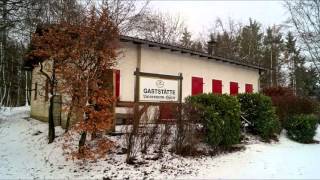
(24, 153)
(14, 111)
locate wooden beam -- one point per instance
(157, 75)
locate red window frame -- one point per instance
(249, 88)
(197, 86)
(234, 88)
(216, 86)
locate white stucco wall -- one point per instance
(154, 60)
(127, 64)
(39, 107)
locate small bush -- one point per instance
(188, 132)
(258, 110)
(278, 91)
(302, 128)
(220, 117)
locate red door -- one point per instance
(117, 84)
(216, 86)
(167, 112)
(197, 85)
(234, 88)
(249, 88)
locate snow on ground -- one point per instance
(24, 153)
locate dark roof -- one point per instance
(189, 51)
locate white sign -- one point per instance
(156, 89)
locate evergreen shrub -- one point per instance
(301, 128)
(258, 110)
(220, 117)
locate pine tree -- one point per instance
(185, 40)
(272, 49)
(291, 55)
(302, 79)
(197, 46)
(250, 43)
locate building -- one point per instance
(200, 72)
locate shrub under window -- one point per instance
(258, 110)
(220, 116)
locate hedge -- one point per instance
(287, 104)
(220, 116)
(258, 110)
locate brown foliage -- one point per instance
(278, 91)
(82, 53)
(287, 104)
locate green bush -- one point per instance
(220, 116)
(258, 110)
(302, 128)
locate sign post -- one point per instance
(150, 89)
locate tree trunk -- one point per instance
(68, 119)
(26, 90)
(82, 142)
(94, 135)
(51, 132)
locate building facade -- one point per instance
(201, 72)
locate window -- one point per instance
(117, 83)
(249, 88)
(234, 88)
(197, 85)
(216, 86)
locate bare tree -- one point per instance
(19, 18)
(226, 35)
(305, 17)
(161, 27)
(125, 14)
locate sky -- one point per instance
(200, 15)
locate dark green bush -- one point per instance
(302, 128)
(220, 116)
(258, 110)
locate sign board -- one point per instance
(156, 89)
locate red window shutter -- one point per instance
(216, 86)
(117, 83)
(197, 85)
(249, 88)
(234, 88)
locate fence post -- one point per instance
(179, 120)
(136, 117)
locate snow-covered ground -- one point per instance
(24, 153)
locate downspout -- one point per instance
(259, 87)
